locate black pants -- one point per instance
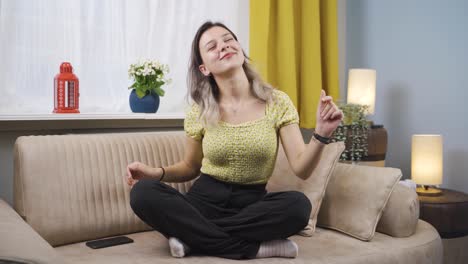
(220, 219)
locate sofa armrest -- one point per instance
(20, 242)
(401, 214)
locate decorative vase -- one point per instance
(148, 104)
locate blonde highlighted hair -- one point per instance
(204, 91)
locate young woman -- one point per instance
(232, 131)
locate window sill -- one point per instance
(50, 121)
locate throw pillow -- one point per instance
(355, 198)
(284, 179)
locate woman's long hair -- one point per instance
(204, 91)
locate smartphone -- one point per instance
(109, 242)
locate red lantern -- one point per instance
(66, 90)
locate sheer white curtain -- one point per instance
(101, 39)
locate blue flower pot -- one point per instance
(148, 104)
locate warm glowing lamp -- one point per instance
(361, 87)
(427, 163)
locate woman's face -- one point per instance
(220, 52)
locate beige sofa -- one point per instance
(69, 189)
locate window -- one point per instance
(101, 39)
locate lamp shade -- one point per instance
(361, 87)
(427, 159)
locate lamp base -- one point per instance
(428, 191)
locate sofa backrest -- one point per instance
(71, 188)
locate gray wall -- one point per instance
(420, 51)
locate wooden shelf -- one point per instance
(50, 121)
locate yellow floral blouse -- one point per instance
(243, 153)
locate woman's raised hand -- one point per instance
(136, 171)
(328, 116)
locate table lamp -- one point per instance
(427, 163)
(361, 87)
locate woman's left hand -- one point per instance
(328, 116)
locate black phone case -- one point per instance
(108, 242)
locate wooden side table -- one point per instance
(448, 213)
(376, 147)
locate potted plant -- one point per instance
(353, 130)
(148, 76)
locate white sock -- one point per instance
(178, 248)
(278, 248)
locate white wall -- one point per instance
(419, 49)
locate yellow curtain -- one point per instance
(294, 45)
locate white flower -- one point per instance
(156, 64)
(147, 71)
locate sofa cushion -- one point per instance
(401, 213)
(284, 179)
(355, 198)
(327, 246)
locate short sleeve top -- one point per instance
(242, 153)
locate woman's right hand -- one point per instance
(136, 171)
